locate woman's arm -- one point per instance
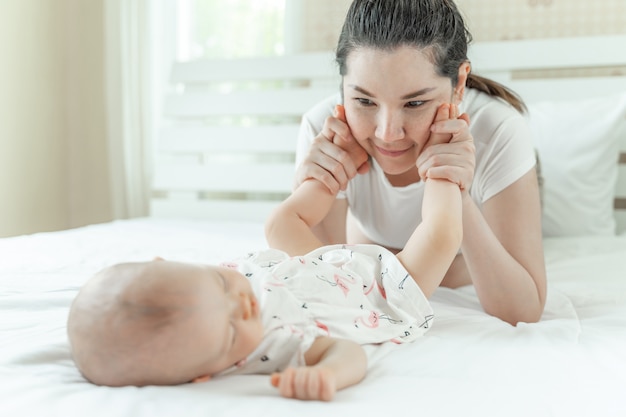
(311, 216)
(502, 253)
(322, 157)
(331, 365)
(289, 226)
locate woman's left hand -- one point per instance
(453, 160)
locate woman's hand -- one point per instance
(449, 153)
(334, 157)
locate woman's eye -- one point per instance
(415, 103)
(365, 101)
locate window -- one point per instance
(229, 28)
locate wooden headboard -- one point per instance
(227, 136)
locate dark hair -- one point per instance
(435, 26)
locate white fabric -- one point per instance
(388, 215)
(578, 145)
(356, 292)
(571, 363)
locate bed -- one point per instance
(571, 363)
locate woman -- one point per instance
(399, 61)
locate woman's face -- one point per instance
(390, 99)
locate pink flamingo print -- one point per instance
(323, 327)
(339, 281)
(230, 265)
(372, 321)
(342, 282)
(368, 290)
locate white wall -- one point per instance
(53, 158)
(88, 179)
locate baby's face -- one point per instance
(226, 326)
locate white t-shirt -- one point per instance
(356, 292)
(388, 215)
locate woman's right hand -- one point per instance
(334, 155)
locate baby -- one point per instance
(299, 311)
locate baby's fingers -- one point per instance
(284, 382)
(340, 113)
(349, 144)
(444, 112)
(304, 384)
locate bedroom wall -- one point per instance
(489, 20)
(53, 163)
(89, 199)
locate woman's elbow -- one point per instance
(273, 224)
(530, 314)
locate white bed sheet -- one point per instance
(572, 363)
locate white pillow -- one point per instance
(578, 146)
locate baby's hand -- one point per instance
(449, 152)
(306, 383)
(356, 152)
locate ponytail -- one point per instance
(495, 89)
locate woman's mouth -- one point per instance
(390, 152)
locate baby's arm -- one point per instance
(435, 242)
(332, 364)
(288, 227)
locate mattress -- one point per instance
(571, 363)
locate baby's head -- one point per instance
(162, 323)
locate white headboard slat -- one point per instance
(279, 102)
(580, 52)
(194, 139)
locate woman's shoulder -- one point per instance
(317, 114)
(478, 103)
(489, 114)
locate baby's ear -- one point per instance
(203, 378)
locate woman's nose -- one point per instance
(389, 127)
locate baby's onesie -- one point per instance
(356, 292)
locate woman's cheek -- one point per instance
(418, 126)
(359, 125)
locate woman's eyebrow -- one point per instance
(414, 94)
(361, 90)
(418, 93)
